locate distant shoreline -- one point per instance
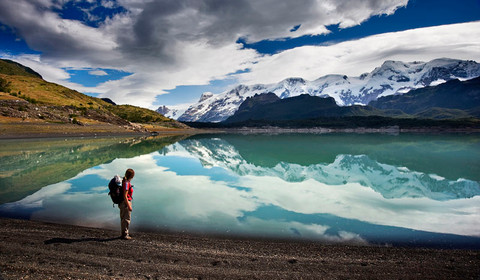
(28, 130)
(52, 251)
(360, 130)
(52, 130)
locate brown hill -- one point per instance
(26, 99)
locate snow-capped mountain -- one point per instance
(392, 77)
(173, 113)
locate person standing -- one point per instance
(126, 205)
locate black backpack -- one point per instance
(116, 192)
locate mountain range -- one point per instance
(450, 100)
(170, 112)
(270, 107)
(391, 78)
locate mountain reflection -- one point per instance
(411, 189)
(388, 180)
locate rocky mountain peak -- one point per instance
(205, 96)
(392, 77)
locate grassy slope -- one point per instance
(49, 93)
(23, 83)
(142, 115)
(9, 67)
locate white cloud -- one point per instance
(171, 43)
(98, 73)
(460, 41)
(57, 38)
(166, 44)
(196, 64)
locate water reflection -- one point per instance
(390, 181)
(350, 189)
(29, 165)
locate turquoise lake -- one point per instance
(407, 189)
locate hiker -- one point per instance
(126, 205)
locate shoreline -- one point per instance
(40, 250)
(31, 133)
(53, 130)
(360, 130)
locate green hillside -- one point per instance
(136, 114)
(24, 95)
(9, 67)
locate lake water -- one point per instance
(407, 189)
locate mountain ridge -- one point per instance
(392, 77)
(296, 108)
(454, 94)
(451, 100)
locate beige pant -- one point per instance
(125, 216)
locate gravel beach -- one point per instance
(36, 250)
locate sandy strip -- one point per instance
(35, 250)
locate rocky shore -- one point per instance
(36, 250)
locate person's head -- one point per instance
(129, 174)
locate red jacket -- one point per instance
(127, 187)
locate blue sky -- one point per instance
(417, 14)
(152, 53)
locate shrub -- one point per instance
(4, 85)
(29, 99)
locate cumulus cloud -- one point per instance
(173, 42)
(225, 21)
(169, 43)
(353, 58)
(57, 38)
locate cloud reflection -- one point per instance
(287, 201)
(390, 181)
